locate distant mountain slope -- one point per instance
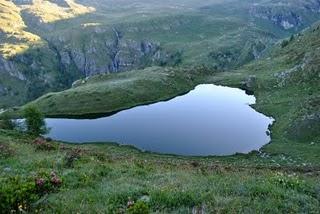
(53, 43)
(287, 14)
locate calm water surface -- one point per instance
(209, 120)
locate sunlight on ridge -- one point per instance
(14, 39)
(51, 12)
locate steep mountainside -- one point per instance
(48, 44)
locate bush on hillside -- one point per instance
(19, 194)
(42, 144)
(284, 43)
(35, 123)
(139, 207)
(6, 122)
(5, 151)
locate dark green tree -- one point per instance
(35, 122)
(6, 122)
(291, 38)
(284, 43)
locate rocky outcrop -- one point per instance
(6, 65)
(36, 22)
(3, 90)
(9, 67)
(306, 71)
(61, 3)
(115, 53)
(22, 2)
(283, 77)
(249, 83)
(285, 14)
(305, 127)
(284, 19)
(227, 58)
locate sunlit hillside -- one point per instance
(55, 10)
(14, 38)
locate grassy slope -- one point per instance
(114, 92)
(14, 39)
(105, 177)
(292, 99)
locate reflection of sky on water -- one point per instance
(209, 120)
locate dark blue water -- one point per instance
(209, 120)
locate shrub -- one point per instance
(35, 123)
(6, 122)
(291, 38)
(41, 144)
(17, 194)
(139, 207)
(46, 183)
(284, 43)
(5, 151)
(72, 156)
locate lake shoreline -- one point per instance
(197, 124)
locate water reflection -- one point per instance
(209, 120)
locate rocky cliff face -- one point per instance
(286, 14)
(22, 2)
(9, 67)
(61, 3)
(3, 90)
(107, 52)
(65, 58)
